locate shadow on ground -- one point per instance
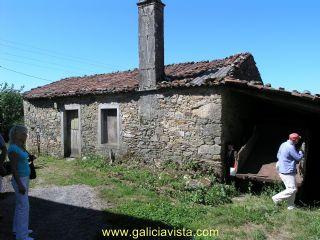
(52, 221)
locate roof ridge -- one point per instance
(167, 65)
(129, 78)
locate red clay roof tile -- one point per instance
(241, 66)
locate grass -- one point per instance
(160, 195)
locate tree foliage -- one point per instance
(11, 107)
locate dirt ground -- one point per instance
(70, 212)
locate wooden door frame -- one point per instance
(70, 107)
(104, 106)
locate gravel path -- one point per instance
(69, 212)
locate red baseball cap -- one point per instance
(294, 137)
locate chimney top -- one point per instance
(149, 1)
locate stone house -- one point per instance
(181, 112)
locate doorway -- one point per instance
(72, 134)
(262, 125)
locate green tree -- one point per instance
(11, 107)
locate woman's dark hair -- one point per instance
(229, 143)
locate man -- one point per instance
(288, 156)
(3, 154)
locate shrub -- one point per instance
(169, 183)
(272, 189)
(11, 107)
(214, 195)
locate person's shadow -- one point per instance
(56, 221)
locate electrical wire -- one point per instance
(48, 62)
(50, 51)
(39, 66)
(73, 59)
(25, 74)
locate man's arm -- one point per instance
(297, 156)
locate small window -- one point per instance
(109, 126)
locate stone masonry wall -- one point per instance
(43, 122)
(179, 126)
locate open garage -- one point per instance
(257, 119)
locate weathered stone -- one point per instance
(209, 111)
(217, 140)
(187, 154)
(149, 132)
(154, 138)
(212, 130)
(179, 115)
(187, 134)
(209, 141)
(196, 142)
(209, 149)
(202, 121)
(181, 133)
(216, 158)
(128, 135)
(164, 138)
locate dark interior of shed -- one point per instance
(267, 125)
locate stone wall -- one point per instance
(175, 125)
(43, 122)
(181, 127)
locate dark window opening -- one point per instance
(109, 126)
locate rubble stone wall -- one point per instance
(160, 126)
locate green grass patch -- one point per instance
(144, 192)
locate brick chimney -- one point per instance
(151, 43)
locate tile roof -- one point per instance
(267, 90)
(240, 66)
(238, 71)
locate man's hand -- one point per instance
(22, 189)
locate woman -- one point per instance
(3, 154)
(20, 181)
(231, 161)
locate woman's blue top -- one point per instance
(23, 163)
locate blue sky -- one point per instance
(56, 39)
